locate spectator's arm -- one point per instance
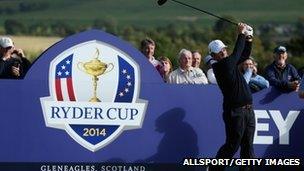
(301, 90)
(260, 81)
(26, 64)
(296, 76)
(282, 85)
(301, 94)
(302, 84)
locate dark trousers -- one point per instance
(240, 127)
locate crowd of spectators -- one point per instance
(279, 74)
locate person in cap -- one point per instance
(210, 74)
(9, 67)
(147, 47)
(185, 73)
(238, 112)
(13, 64)
(280, 74)
(250, 73)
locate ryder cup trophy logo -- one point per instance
(95, 68)
(94, 89)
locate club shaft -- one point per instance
(181, 3)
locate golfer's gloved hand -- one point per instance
(241, 28)
(248, 31)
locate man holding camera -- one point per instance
(13, 64)
(238, 112)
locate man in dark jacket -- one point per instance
(238, 113)
(280, 74)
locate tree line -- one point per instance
(173, 37)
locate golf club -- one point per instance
(162, 2)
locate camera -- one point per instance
(16, 64)
(16, 52)
(17, 55)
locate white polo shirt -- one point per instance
(192, 76)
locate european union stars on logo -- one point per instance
(126, 85)
(129, 84)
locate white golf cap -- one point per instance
(6, 42)
(216, 46)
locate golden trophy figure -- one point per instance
(95, 68)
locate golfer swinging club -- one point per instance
(238, 113)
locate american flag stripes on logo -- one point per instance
(63, 80)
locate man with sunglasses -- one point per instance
(13, 64)
(238, 112)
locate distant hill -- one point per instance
(147, 13)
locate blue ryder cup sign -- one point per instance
(93, 97)
(94, 90)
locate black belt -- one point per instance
(247, 106)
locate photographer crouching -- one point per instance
(13, 64)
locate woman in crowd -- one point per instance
(166, 68)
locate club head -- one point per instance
(161, 2)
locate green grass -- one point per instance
(33, 46)
(146, 13)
